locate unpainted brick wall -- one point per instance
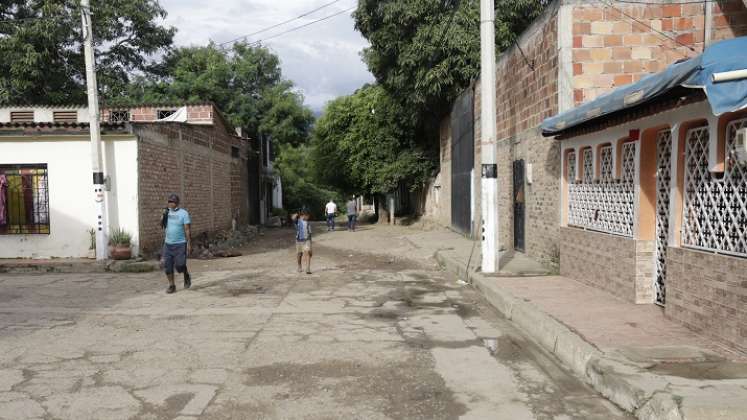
(439, 210)
(195, 162)
(708, 293)
(616, 46)
(622, 266)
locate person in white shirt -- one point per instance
(330, 210)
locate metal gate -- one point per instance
(519, 206)
(462, 161)
(663, 182)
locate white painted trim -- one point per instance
(712, 142)
(674, 184)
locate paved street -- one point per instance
(377, 332)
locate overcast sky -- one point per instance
(323, 60)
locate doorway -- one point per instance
(519, 205)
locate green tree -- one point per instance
(300, 188)
(245, 82)
(426, 52)
(362, 143)
(42, 55)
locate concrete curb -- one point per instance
(646, 395)
(77, 267)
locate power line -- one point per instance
(647, 25)
(281, 23)
(259, 41)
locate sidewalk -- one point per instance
(632, 354)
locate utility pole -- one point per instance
(93, 113)
(489, 181)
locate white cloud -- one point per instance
(323, 60)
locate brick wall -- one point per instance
(615, 46)
(708, 293)
(196, 163)
(437, 206)
(619, 265)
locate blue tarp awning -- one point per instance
(696, 73)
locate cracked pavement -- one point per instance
(377, 332)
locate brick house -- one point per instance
(148, 152)
(654, 192)
(574, 52)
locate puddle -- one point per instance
(703, 370)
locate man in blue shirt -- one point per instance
(177, 242)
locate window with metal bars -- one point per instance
(65, 116)
(605, 204)
(22, 116)
(715, 208)
(164, 113)
(24, 199)
(119, 116)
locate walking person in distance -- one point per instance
(177, 242)
(330, 210)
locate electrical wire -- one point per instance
(260, 41)
(280, 24)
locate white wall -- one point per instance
(43, 113)
(70, 192)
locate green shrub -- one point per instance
(119, 236)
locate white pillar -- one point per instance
(93, 112)
(489, 183)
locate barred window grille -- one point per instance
(663, 183)
(606, 205)
(588, 166)
(715, 210)
(119, 116)
(571, 167)
(164, 113)
(24, 199)
(605, 163)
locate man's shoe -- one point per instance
(187, 281)
(171, 289)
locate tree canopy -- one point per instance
(426, 52)
(42, 54)
(245, 82)
(362, 143)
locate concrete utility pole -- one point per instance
(93, 113)
(489, 183)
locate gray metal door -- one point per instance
(519, 205)
(462, 161)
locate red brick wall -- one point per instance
(615, 46)
(195, 162)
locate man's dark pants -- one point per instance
(351, 221)
(331, 221)
(175, 257)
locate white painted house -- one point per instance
(46, 194)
